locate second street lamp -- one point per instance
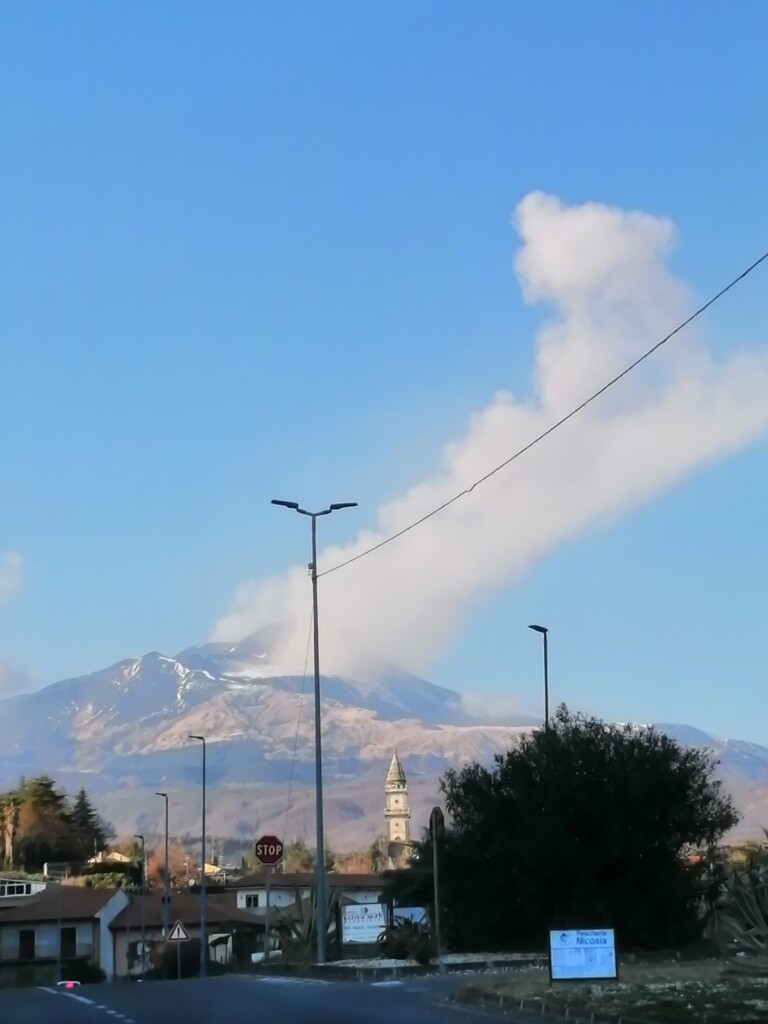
(166, 878)
(544, 631)
(322, 924)
(203, 936)
(143, 908)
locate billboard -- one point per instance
(582, 954)
(363, 922)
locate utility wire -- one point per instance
(551, 429)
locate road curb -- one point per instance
(351, 973)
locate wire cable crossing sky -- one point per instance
(555, 426)
(245, 259)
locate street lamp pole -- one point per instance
(203, 935)
(544, 631)
(166, 878)
(322, 925)
(143, 908)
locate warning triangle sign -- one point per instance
(178, 933)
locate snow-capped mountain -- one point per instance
(124, 731)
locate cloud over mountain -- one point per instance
(602, 273)
(11, 574)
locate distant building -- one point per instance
(397, 815)
(13, 888)
(284, 886)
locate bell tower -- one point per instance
(396, 808)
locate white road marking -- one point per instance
(388, 984)
(50, 991)
(80, 999)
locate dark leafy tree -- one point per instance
(586, 825)
(44, 832)
(87, 829)
(37, 825)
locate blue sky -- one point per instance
(256, 250)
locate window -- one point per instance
(68, 942)
(26, 944)
(251, 901)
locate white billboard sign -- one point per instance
(587, 953)
(363, 922)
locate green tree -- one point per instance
(44, 829)
(88, 832)
(297, 856)
(10, 804)
(586, 825)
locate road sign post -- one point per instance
(437, 828)
(268, 851)
(178, 935)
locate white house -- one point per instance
(252, 889)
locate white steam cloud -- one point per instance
(14, 680)
(603, 271)
(11, 573)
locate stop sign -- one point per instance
(269, 850)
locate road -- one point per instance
(240, 999)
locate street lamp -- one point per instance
(543, 630)
(166, 877)
(320, 860)
(203, 936)
(143, 908)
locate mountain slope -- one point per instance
(123, 732)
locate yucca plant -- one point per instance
(299, 934)
(404, 939)
(745, 909)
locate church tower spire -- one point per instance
(397, 810)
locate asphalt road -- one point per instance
(240, 1000)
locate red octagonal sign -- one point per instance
(269, 850)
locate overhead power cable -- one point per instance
(551, 429)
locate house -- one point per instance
(223, 923)
(14, 889)
(251, 890)
(109, 857)
(56, 931)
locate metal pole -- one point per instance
(322, 925)
(438, 939)
(178, 961)
(266, 916)
(58, 937)
(166, 881)
(166, 878)
(143, 908)
(546, 685)
(127, 938)
(203, 935)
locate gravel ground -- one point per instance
(701, 991)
